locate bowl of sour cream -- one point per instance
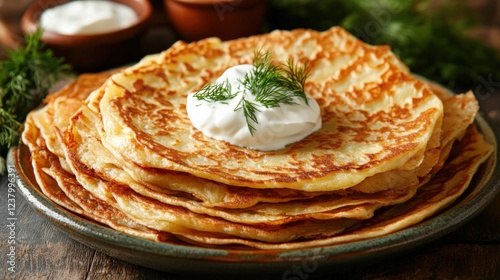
(91, 35)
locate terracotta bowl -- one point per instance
(226, 19)
(93, 52)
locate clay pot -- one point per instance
(226, 19)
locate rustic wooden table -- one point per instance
(43, 252)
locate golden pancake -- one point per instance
(370, 104)
(444, 188)
(62, 188)
(87, 151)
(117, 148)
(163, 218)
(86, 155)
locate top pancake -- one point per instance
(376, 116)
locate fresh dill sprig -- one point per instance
(9, 126)
(271, 84)
(249, 111)
(295, 78)
(276, 84)
(216, 92)
(26, 76)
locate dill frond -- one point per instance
(249, 111)
(216, 92)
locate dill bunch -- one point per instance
(26, 76)
(274, 84)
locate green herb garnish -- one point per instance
(249, 110)
(271, 85)
(220, 93)
(26, 76)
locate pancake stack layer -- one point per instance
(118, 148)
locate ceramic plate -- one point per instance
(188, 259)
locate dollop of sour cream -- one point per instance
(87, 17)
(276, 127)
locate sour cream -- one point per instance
(276, 127)
(87, 17)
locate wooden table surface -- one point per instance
(44, 252)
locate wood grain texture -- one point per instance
(448, 261)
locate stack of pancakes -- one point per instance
(118, 148)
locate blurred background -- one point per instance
(455, 43)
